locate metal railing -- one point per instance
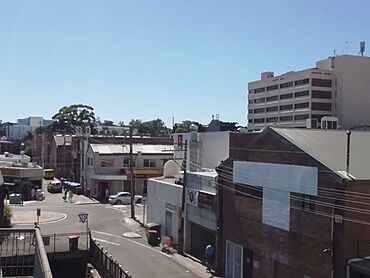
(104, 263)
(59, 243)
(22, 253)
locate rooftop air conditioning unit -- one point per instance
(328, 122)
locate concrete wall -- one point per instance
(164, 196)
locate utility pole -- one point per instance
(182, 227)
(132, 178)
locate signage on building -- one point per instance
(179, 142)
(192, 197)
(206, 200)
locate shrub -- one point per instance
(8, 214)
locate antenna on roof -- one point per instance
(346, 47)
(362, 48)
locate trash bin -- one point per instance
(73, 242)
(154, 233)
(15, 198)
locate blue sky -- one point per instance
(148, 59)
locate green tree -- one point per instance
(2, 129)
(108, 123)
(156, 127)
(74, 115)
(183, 127)
(121, 123)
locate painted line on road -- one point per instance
(106, 241)
(138, 243)
(44, 222)
(106, 234)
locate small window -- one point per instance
(250, 121)
(302, 82)
(149, 163)
(321, 106)
(272, 109)
(302, 105)
(286, 96)
(286, 119)
(272, 120)
(259, 100)
(308, 202)
(250, 111)
(321, 94)
(259, 90)
(273, 87)
(107, 163)
(272, 98)
(302, 94)
(259, 110)
(286, 85)
(261, 120)
(321, 82)
(300, 117)
(286, 107)
(126, 162)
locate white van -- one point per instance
(55, 187)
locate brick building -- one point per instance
(286, 207)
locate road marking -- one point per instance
(106, 234)
(138, 243)
(106, 241)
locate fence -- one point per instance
(104, 263)
(22, 253)
(58, 243)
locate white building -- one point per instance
(338, 86)
(24, 126)
(205, 151)
(108, 167)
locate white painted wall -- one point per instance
(160, 193)
(276, 181)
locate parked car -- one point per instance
(55, 187)
(75, 187)
(124, 198)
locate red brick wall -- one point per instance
(277, 252)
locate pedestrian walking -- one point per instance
(209, 256)
(70, 196)
(65, 195)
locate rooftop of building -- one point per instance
(137, 148)
(329, 147)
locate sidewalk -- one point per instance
(83, 200)
(194, 265)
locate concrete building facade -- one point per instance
(338, 86)
(108, 167)
(23, 126)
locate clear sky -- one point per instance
(147, 59)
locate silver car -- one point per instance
(124, 198)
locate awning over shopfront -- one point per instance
(110, 177)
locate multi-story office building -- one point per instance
(23, 126)
(338, 86)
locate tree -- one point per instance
(108, 123)
(183, 127)
(2, 129)
(155, 127)
(121, 123)
(74, 115)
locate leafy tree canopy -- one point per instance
(184, 126)
(74, 115)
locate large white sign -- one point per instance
(277, 182)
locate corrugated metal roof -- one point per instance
(125, 148)
(330, 148)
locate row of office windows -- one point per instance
(279, 119)
(318, 82)
(105, 163)
(280, 108)
(318, 106)
(314, 94)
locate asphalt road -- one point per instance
(108, 223)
